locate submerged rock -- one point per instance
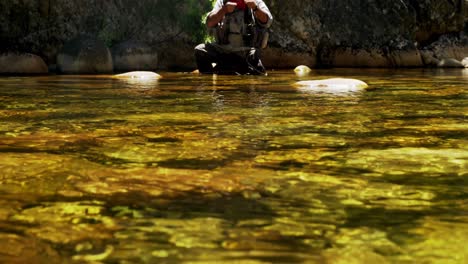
(139, 79)
(465, 62)
(333, 85)
(85, 55)
(302, 70)
(143, 75)
(22, 63)
(449, 63)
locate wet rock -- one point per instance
(139, 79)
(429, 58)
(67, 223)
(465, 62)
(353, 255)
(333, 84)
(24, 249)
(446, 51)
(302, 69)
(22, 63)
(400, 161)
(444, 241)
(84, 54)
(133, 56)
(138, 75)
(449, 63)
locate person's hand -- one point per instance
(229, 7)
(251, 4)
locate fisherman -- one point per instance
(240, 28)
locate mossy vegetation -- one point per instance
(167, 19)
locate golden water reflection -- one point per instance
(234, 169)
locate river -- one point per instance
(235, 169)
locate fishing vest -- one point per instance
(239, 29)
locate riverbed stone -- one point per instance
(84, 55)
(332, 85)
(465, 62)
(26, 249)
(139, 79)
(22, 63)
(134, 56)
(302, 70)
(449, 63)
(138, 75)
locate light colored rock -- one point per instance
(84, 55)
(447, 51)
(139, 79)
(302, 70)
(134, 56)
(465, 62)
(449, 63)
(144, 75)
(22, 63)
(333, 85)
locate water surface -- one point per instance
(234, 169)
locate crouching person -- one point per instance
(241, 31)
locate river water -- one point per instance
(234, 169)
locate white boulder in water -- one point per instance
(465, 62)
(333, 85)
(140, 75)
(302, 69)
(139, 79)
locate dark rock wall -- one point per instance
(43, 26)
(321, 28)
(312, 32)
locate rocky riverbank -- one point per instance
(155, 35)
(375, 33)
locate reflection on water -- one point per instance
(234, 169)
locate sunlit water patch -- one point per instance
(234, 169)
